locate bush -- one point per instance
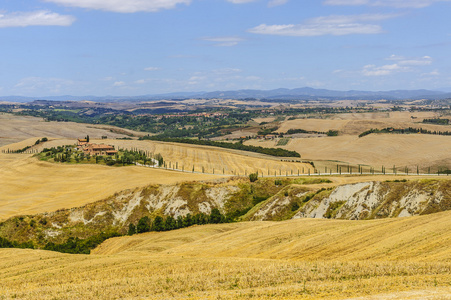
(253, 177)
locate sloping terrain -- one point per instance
(265, 199)
(374, 150)
(15, 128)
(403, 258)
(358, 201)
(421, 239)
(117, 211)
(356, 123)
(29, 186)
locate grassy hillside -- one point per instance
(115, 213)
(35, 186)
(237, 199)
(17, 128)
(405, 258)
(374, 150)
(421, 239)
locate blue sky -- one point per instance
(137, 47)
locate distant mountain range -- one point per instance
(305, 93)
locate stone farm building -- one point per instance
(95, 149)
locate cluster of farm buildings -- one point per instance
(95, 149)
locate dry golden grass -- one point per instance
(29, 186)
(215, 159)
(374, 150)
(420, 239)
(302, 259)
(354, 124)
(17, 128)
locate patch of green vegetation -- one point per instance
(5, 243)
(266, 131)
(74, 245)
(397, 180)
(75, 111)
(309, 180)
(436, 121)
(332, 133)
(333, 209)
(70, 154)
(409, 130)
(283, 142)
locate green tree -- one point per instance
(187, 220)
(158, 224)
(169, 223)
(143, 225)
(131, 229)
(179, 222)
(216, 216)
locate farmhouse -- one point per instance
(95, 149)
(102, 149)
(82, 142)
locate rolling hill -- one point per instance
(405, 258)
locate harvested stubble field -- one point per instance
(30, 186)
(374, 150)
(356, 123)
(232, 162)
(17, 128)
(404, 258)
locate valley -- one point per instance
(351, 217)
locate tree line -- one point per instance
(437, 121)
(237, 146)
(404, 131)
(145, 224)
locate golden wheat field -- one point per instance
(404, 258)
(15, 128)
(356, 123)
(204, 159)
(29, 186)
(374, 150)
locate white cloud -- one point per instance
(331, 25)
(119, 84)
(372, 70)
(433, 73)
(411, 61)
(226, 71)
(151, 69)
(240, 1)
(402, 64)
(273, 3)
(346, 2)
(391, 3)
(36, 18)
(45, 85)
(226, 41)
(123, 6)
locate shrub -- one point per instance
(253, 177)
